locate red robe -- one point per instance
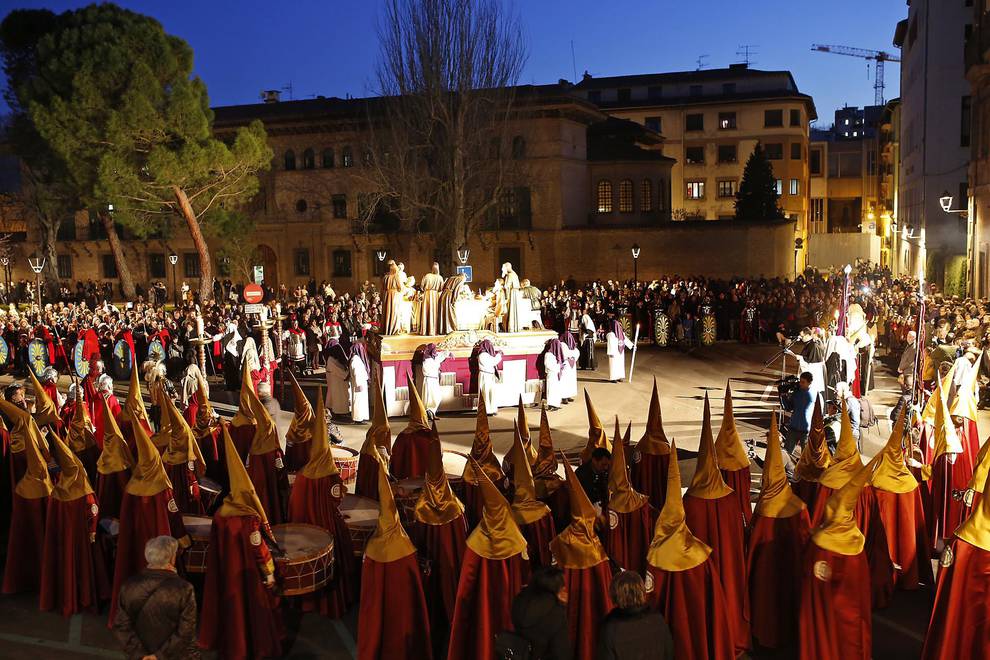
(773, 562)
(441, 553)
(538, 536)
(89, 458)
(73, 573)
(185, 488)
(367, 476)
(810, 492)
(835, 616)
(393, 622)
(903, 518)
(410, 454)
(628, 537)
(110, 492)
(271, 483)
(242, 436)
(296, 456)
(741, 481)
(694, 606)
(969, 437)
(98, 422)
(649, 476)
(588, 603)
(25, 545)
(142, 519)
(946, 511)
(312, 502)
(240, 616)
(718, 523)
(958, 627)
(484, 603)
(192, 409)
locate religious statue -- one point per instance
(447, 305)
(429, 306)
(513, 299)
(392, 299)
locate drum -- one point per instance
(209, 493)
(198, 528)
(307, 562)
(708, 330)
(454, 463)
(361, 516)
(346, 460)
(79, 362)
(156, 351)
(122, 360)
(406, 495)
(661, 329)
(38, 357)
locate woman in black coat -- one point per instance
(632, 631)
(539, 614)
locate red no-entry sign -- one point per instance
(253, 293)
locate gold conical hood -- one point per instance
(846, 461)
(206, 420)
(320, 463)
(674, 547)
(546, 461)
(497, 536)
(116, 455)
(481, 451)
(777, 500)
(965, 404)
(892, 474)
(380, 433)
(416, 411)
(523, 427)
(931, 406)
(389, 542)
(730, 453)
(45, 411)
(525, 507)
(182, 445)
(815, 457)
(81, 435)
(133, 410)
(654, 441)
(946, 438)
(437, 504)
(242, 500)
(578, 546)
(72, 481)
(36, 483)
(148, 476)
(975, 530)
(622, 498)
(596, 432)
(301, 427)
(245, 412)
(979, 481)
(838, 532)
(707, 482)
(265, 438)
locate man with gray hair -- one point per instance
(156, 619)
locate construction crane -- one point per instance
(877, 56)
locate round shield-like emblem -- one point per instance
(968, 497)
(637, 456)
(122, 360)
(823, 571)
(255, 538)
(708, 330)
(661, 330)
(95, 510)
(172, 506)
(336, 491)
(947, 557)
(38, 357)
(156, 351)
(649, 583)
(4, 351)
(613, 520)
(278, 462)
(79, 362)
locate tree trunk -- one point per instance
(49, 236)
(202, 249)
(117, 248)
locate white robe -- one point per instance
(839, 344)
(338, 399)
(359, 390)
(430, 381)
(616, 360)
(568, 373)
(487, 380)
(553, 392)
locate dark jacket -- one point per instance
(640, 634)
(595, 485)
(538, 616)
(157, 616)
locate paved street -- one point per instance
(684, 378)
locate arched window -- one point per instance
(646, 196)
(328, 158)
(626, 196)
(309, 159)
(290, 160)
(518, 147)
(604, 196)
(347, 157)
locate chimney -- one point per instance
(586, 76)
(739, 65)
(271, 96)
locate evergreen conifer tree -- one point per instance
(757, 199)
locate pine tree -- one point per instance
(757, 199)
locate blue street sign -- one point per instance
(467, 272)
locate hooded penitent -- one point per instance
(950, 471)
(264, 461)
(377, 440)
(113, 467)
(964, 409)
(778, 534)
(523, 425)
(629, 515)
(815, 458)
(206, 428)
(649, 468)
(45, 410)
(682, 581)
(299, 434)
(482, 456)
(82, 439)
(714, 516)
(732, 458)
(596, 432)
(533, 517)
(411, 447)
(133, 410)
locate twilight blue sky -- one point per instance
(329, 47)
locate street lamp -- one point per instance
(635, 254)
(946, 202)
(37, 265)
(173, 259)
(5, 261)
(463, 253)
(381, 254)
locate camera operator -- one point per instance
(801, 405)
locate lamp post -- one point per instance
(37, 265)
(5, 261)
(635, 254)
(173, 259)
(463, 252)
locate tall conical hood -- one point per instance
(523, 427)
(815, 457)
(389, 542)
(182, 445)
(481, 451)
(892, 474)
(116, 455)
(497, 536)
(380, 433)
(978, 483)
(975, 530)
(242, 500)
(36, 483)
(965, 404)
(931, 406)
(846, 461)
(45, 410)
(301, 427)
(72, 481)
(838, 532)
(81, 434)
(707, 482)
(596, 432)
(777, 500)
(265, 438)
(578, 546)
(437, 504)
(674, 547)
(245, 412)
(161, 438)
(133, 410)
(546, 460)
(526, 508)
(946, 438)
(320, 463)
(206, 420)
(416, 411)
(148, 475)
(654, 440)
(622, 498)
(729, 450)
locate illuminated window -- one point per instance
(795, 187)
(727, 188)
(778, 185)
(646, 196)
(726, 120)
(604, 196)
(695, 190)
(626, 196)
(347, 157)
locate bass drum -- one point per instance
(661, 330)
(708, 332)
(122, 361)
(38, 358)
(80, 363)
